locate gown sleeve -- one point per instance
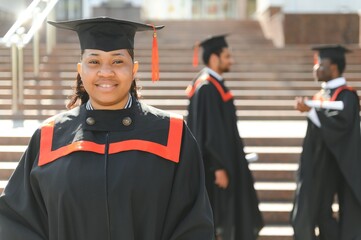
(335, 125)
(340, 119)
(22, 213)
(189, 215)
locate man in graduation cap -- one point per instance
(112, 168)
(212, 118)
(330, 164)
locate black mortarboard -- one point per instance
(210, 45)
(213, 43)
(331, 51)
(108, 34)
(104, 33)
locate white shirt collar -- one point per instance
(334, 83)
(214, 74)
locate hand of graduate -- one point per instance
(300, 104)
(221, 178)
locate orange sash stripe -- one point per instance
(226, 96)
(340, 89)
(318, 96)
(191, 89)
(170, 152)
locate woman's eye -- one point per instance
(93, 62)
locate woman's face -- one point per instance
(107, 77)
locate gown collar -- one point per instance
(110, 120)
(334, 83)
(214, 74)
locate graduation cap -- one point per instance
(209, 45)
(329, 51)
(108, 34)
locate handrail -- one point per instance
(16, 28)
(17, 38)
(16, 34)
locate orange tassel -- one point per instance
(315, 59)
(195, 55)
(155, 57)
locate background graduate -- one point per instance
(330, 163)
(112, 168)
(212, 118)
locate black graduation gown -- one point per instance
(330, 152)
(212, 118)
(132, 174)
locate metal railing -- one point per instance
(19, 35)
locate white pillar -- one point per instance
(242, 9)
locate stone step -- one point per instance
(272, 141)
(166, 84)
(173, 94)
(11, 153)
(177, 104)
(280, 172)
(281, 115)
(276, 212)
(6, 169)
(276, 232)
(19, 132)
(275, 191)
(288, 78)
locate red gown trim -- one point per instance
(340, 89)
(171, 151)
(318, 96)
(226, 96)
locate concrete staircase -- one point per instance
(264, 81)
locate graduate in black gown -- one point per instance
(330, 164)
(111, 168)
(212, 118)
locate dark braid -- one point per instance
(134, 89)
(80, 96)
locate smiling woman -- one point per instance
(111, 167)
(107, 77)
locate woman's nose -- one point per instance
(105, 71)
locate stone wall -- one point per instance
(321, 28)
(316, 28)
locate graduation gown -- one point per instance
(132, 174)
(331, 156)
(212, 118)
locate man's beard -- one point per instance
(226, 69)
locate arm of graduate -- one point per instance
(22, 214)
(189, 215)
(322, 105)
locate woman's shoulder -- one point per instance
(151, 112)
(63, 118)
